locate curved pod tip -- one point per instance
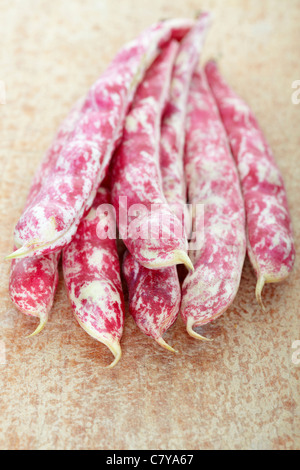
(115, 349)
(165, 345)
(13, 255)
(181, 257)
(113, 345)
(258, 291)
(191, 332)
(41, 326)
(20, 252)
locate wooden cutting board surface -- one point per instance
(239, 392)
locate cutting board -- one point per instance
(241, 391)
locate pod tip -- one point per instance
(181, 257)
(11, 256)
(19, 253)
(191, 332)
(165, 345)
(111, 343)
(115, 349)
(258, 291)
(41, 326)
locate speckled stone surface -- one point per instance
(239, 392)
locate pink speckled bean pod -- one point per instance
(212, 180)
(51, 220)
(136, 178)
(33, 280)
(270, 243)
(154, 298)
(155, 295)
(62, 136)
(92, 276)
(172, 129)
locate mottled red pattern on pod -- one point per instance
(154, 297)
(63, 134)
(136, 175)
(173, 123)
(212, 180)
(92, 276)
(51, 220)
(270, 242)
(33, 280)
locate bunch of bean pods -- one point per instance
(155, 137)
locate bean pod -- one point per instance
(155, 236)
(51, 220)
(270, 243)
(154, 298)
(218, 243)
(155, 295)
(92, 276)
(173, 123)
(33, 280)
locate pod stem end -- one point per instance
(258, 291)
(165, 345)
(181, 257)
(41, 326)
(191, 332)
